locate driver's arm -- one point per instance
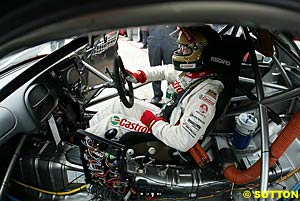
(198, 112)
(156, 73)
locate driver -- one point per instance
(190, 99)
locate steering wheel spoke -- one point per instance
(128, 93)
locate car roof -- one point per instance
(28, 23)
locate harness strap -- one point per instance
(177, 98)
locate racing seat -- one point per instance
(227, 72)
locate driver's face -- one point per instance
(183, 50)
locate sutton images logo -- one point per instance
(271, 194)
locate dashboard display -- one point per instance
(70, 75)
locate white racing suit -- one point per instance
(188, 120)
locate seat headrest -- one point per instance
(224, 56)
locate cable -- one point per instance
(71, 182)
(181, 156)
(51, 192)
(288, 175)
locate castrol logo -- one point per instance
(129, 125)
(115, 120)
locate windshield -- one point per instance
(25, 54)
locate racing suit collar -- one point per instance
(198, 74)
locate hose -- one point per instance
(199, 155)
(282, 142)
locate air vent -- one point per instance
(40, 101)
(37, 94)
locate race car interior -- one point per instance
(48, 155)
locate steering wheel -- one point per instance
(123, 86)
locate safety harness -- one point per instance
(178, 97)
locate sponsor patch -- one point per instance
(194, 124)
(127, 124)
(115, 120)
(207, 99)
(203, 108)
(211, 93)
(187, 66)
(189, 130)
(197, 118)
(201, 114)
(177, 86)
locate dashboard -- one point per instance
(31, 105)
(42, 97)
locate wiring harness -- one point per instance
(105, 169)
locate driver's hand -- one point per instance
(149, 119)
(138, 77)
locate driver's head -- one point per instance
(192, 42)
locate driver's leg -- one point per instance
(117, 107)
(115, 115)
